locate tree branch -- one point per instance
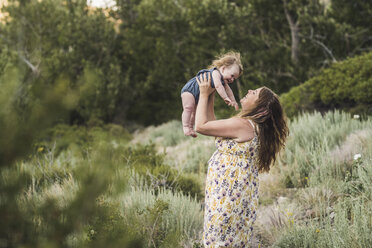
(35, 69)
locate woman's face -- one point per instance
(248, 102)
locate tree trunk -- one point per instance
(239, 89)
(295, 38)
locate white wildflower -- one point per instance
(356, 117)
(357, 156)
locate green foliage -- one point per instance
(345, 85)
(329, 157)
(344, 10)
(70, 199)
(161, 211)
(146, 162)
(315, 148)
(65, 40)
(100, 190)
(80, 140)
(49, 103)
(130, 62)
(86, 186)
(108, 228)
(349, 226)
(63, 136)
(49, 199)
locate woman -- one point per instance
(246, 144)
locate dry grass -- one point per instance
(353, 144)
(316, 201)
(273, 220)
(62, 193)
(271, 186)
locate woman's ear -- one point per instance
(222, 68)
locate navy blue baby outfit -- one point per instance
(193, 87)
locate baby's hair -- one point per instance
(228, 59)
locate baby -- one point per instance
(224, 70)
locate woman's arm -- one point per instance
(228, 128)
(203, 113)
(210, 108)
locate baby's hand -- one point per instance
(231, 103)
(235, 105)
(228, 101)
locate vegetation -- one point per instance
(326, 168)
(129, 63)
(93, 186)
(77, 86)
(318, 193)
(345, 85)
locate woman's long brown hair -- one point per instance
(272, 127)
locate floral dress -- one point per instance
(231, 195)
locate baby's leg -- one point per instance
(192, 119)
(188, 104)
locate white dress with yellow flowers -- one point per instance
(231, 195)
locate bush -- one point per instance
(108, 228)
(148, 163)
(345, 85)
(63, 136)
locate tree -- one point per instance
(57, 40)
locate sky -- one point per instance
(101, 3)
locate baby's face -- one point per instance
(230, 73)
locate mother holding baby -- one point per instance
(246, 145)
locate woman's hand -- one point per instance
(205, 84)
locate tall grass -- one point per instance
(183, 214)
(334, 199)
(349, 226)
(308, 154)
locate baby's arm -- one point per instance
(219, 87)
(230, 94)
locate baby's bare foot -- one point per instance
(189, 132)
(193, 134)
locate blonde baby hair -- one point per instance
(228, 59)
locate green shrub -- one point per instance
(65, 135)
(345, 85)
(147, 162)
(108, 228)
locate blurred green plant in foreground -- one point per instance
(43, 203)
